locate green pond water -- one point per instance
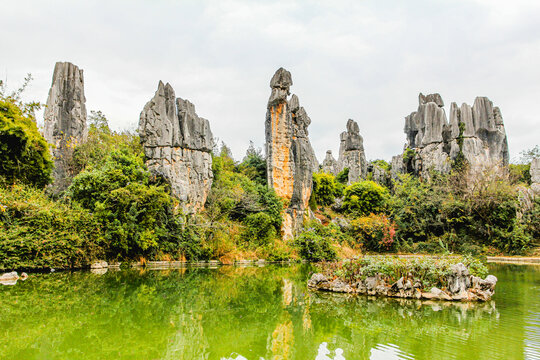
(257, 313)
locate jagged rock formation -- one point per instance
(290, 157)
(351, 153)
(535, 176)
(378, 173)
(65, 118)
(329, 165)
(177, 145)
(475, 134)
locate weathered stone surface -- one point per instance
(177, 145)
(481, 137)
(351, 152)
(291, 160)
(65, 118)
(329, 164)
(460, 286)
(535, 176)
(377, 173)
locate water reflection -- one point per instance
(256, 313)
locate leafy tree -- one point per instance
(254, 165)
(134, 213)
(24, 153)
(365, 197)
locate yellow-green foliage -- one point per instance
(24, 153)
(374, 232)
(365, 197)
(325, 189)
(37, 232)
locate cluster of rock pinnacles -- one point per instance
(178, 143)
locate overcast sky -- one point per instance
(365, 60)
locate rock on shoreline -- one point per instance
(461, 286)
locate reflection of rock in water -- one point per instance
(461, 311)
(189, 342)
(99, 271)
(287, 292)
(282, 341)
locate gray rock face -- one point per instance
(476, 132)
(378, 174)
(329, 165)
(177, 145)
(291, 160)
(65, 118)
(351, 152)
(535, 176)
(460, 286)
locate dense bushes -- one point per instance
(24, 153)
(325, 189)
(36, 232)
(134, 213)
(315, 244)
(374, 232)
(364, 198)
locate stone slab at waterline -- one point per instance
(290, 160)
(460, 286)
(477, 133)
(65, 117)
(177, 145)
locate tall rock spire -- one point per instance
(351, 152)
(65, 117)
(177, 145)
(290, 157)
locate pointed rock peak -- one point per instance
(281, 79)
(294, 103)
(435, 98)
(352, 127)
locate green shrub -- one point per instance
(364, 198)
(314, 247)
(134, 214)
(325, 189)
(259, 229)
(343, 176)
(24, 153)
(36, 232)
(520, 173)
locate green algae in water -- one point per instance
(266, 312)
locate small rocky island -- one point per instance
(447, 278)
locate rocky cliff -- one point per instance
(475, 134)
(290, 157)
(535, 176)
(351, 153)
(65, 118)
(177, 145)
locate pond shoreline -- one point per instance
(157, 265)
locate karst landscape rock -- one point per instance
(291, 160)
(177, 146)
